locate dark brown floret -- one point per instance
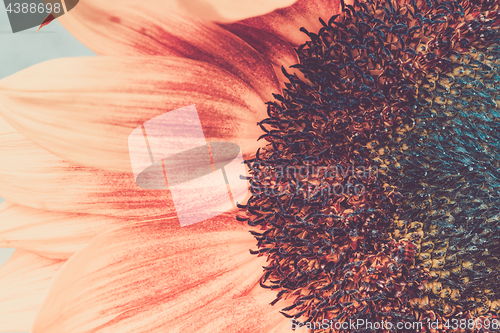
(377, 194)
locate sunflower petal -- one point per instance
(242, 314)
(5, 127)
(24, 282)
(278, 51)
(133, 28)
(31, 176)
(286, 22)
(53, 235)
(231, 10)
(143, 277)
(84, 109)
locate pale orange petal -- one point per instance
(153, 27)
(5, 127)
(247, 314)
(286, 22)
(50, 234)
(84, 109)
(231, 10)
(24, 284)
(31, 176)
(144, 277)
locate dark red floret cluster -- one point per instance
(376, 196)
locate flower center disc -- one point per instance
(377, 193)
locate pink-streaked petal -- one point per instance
(278, 51)
(286, 22)
(243, 314)
(231, 10)
(24, 284)
(132, 28)
(31, 176)
(84, 109)
(53, 235)
(144, 277)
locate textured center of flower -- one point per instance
(377, 195)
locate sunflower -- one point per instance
(155, 57)
(372, 170)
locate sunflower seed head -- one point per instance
(377, 190)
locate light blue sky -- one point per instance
(24, 49)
